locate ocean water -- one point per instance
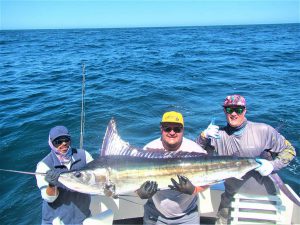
(135, 75)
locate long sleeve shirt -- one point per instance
(251, 140)
(43, 184)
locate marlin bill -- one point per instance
(121, 168)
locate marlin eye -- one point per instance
(77, 174)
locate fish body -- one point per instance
(127, 173)
(126, 168)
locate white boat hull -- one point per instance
(132, 206)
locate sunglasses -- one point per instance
(175, 129)
(238, 110)
(60, 140)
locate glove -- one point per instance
(212, 131)
(52, 177)
(147, 189)
(265, 168)
(185, 186)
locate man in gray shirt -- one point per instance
(179, 205)
(244, 138)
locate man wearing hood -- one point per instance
(60, 204)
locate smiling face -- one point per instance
(62, 143)
(235, 115)
(171, 135)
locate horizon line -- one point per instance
(137, 27)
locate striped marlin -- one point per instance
(123, 168)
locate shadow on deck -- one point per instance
(138, 221)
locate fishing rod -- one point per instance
(82, 122)
(81, 129)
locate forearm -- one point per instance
(284, 157)
(200, 188)
(52, 191)
(205, 143)
(202, 141)
(48, 193)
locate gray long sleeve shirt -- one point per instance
(251, 140)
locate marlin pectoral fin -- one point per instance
(277, 180)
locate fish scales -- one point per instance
(198, 171)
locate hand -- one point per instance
(265, 168)
(52, 176)
(212, 131)
(147, 189)
(185, 186)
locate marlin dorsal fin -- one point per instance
(114, 145)
(112, 142)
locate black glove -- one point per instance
(185, 186)
(147, 189)
(52, 177)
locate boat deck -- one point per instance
(129, 210)
(138, 221)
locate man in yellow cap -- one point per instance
(178, 205)
(172, 129)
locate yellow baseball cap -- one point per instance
(172, 117)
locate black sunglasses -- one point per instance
(238, 110)
(60, 140)
(175, 129)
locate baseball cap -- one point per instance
(58, 131)
(235, 100)
(172, 117)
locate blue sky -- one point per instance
(45, 14)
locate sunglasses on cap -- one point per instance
(58, 141)
(238, 110)
(169, 129)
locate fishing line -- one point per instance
(118, 196)
(137, 196)
(281, 125)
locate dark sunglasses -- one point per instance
(238, 110)
(60, 140)
(175, 129)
